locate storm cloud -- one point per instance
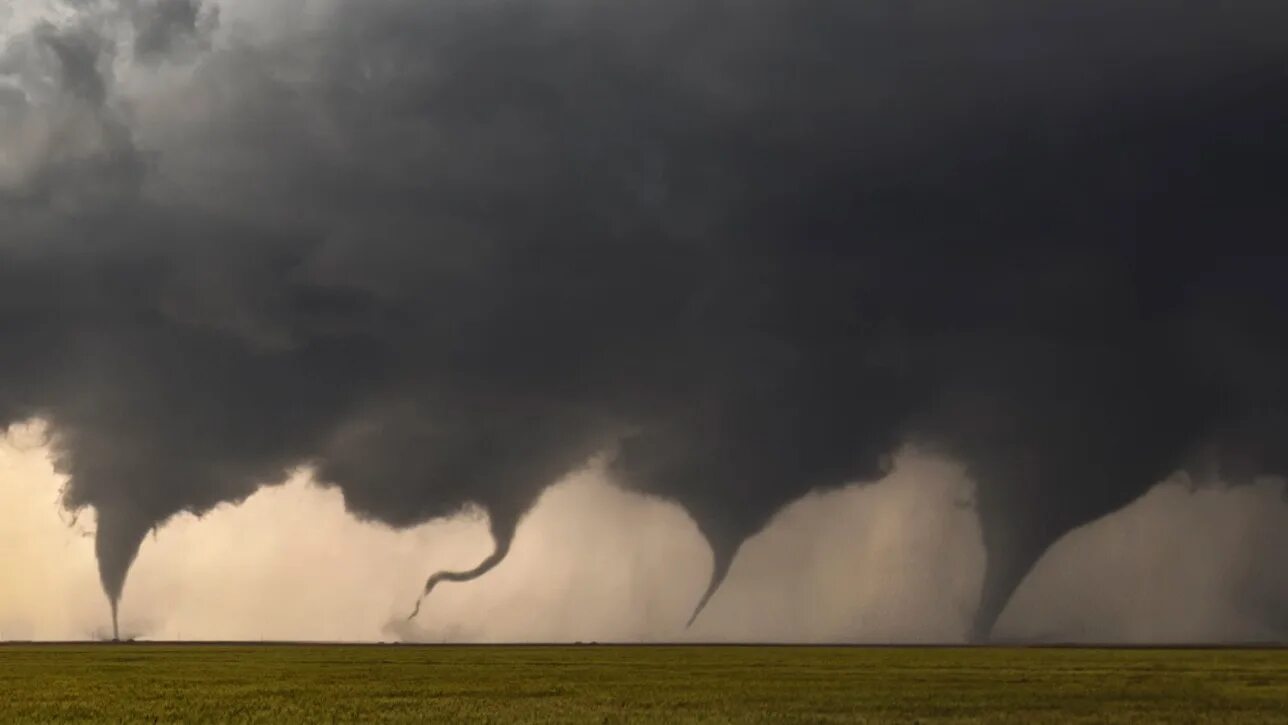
(446, 253)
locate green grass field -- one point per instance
(650, 684)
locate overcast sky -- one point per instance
(851, 319)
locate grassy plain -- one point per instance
(299, 683)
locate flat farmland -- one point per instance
(666, 684)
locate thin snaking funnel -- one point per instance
(502, 547)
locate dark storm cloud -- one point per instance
(447, 252)
(162, 27)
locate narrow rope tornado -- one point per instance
(502, 547)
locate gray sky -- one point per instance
(733, 260)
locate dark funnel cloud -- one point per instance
(446, 253)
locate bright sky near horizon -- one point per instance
(899, 560)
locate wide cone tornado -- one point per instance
(720, 570)
(116, 543)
